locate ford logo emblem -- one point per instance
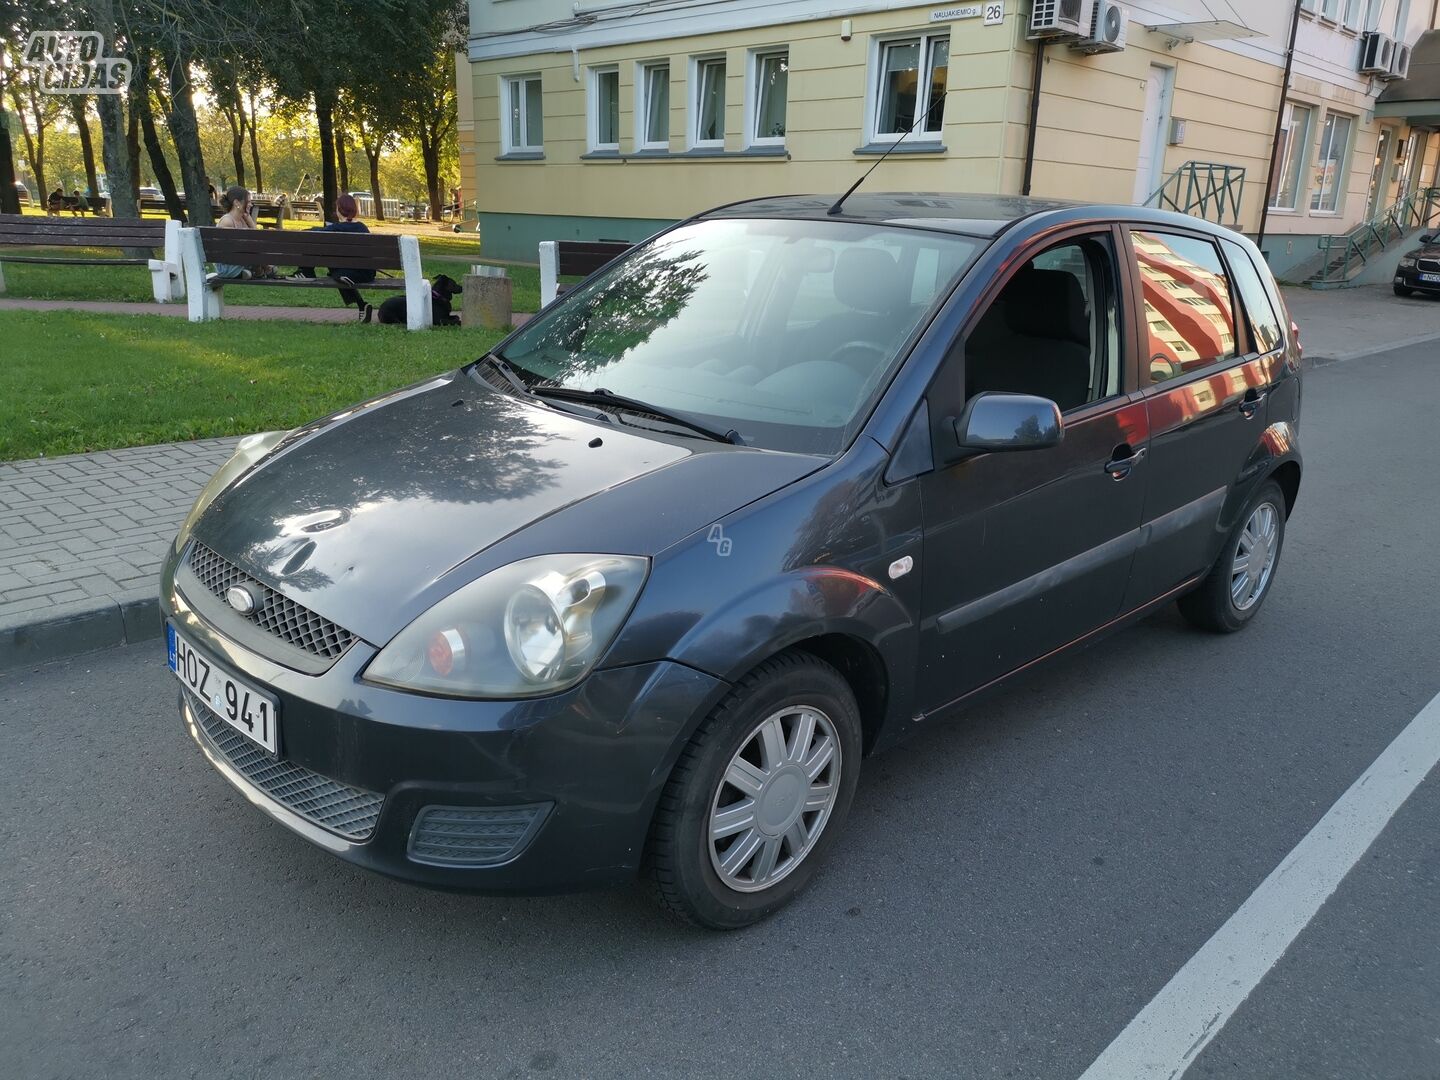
(240, 598)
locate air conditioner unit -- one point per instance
(1108, 30)
(1060, 20)
(1377, 50)
(1399, 62)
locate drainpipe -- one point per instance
(1279, 123)
(1034, 116)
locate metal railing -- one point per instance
(1204, 189)
(1345, 254)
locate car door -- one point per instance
(1204, 385)
(1025, 552)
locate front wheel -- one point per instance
(758, 795)
(1240, 580)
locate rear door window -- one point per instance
(1264, 323)
(1189, 310)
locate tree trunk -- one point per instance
(255, 143)
(186, 133)
(237, 141)
(325, 120)
(132, 150)
(156, 150)
(375, 193)
(36, 159)
(112, 126)
(9, 197)
(430, 158)
(342, 158)
(80, 112)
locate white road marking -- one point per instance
(1169, 1033)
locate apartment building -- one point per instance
(608, 121)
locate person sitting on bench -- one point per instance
(238, 215)
(349, 211)
(56, 203)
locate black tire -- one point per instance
(685, 878)
(1404, 290)
(1211, 606)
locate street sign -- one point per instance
(995, 13)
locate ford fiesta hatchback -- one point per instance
(643, 587)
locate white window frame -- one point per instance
(1330, 10)
(642, 103)
(509, 84)
(693, 103)
(1352, 14)
(1306, 137)
(753, 60)
(1340, 187)
(872, 90)
(1371, 19)
(592, 109)
(1402, 17)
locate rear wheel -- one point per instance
(1404, 290)
(758, 795)
(1240, 580)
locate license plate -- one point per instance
(1433, 278)
(249, 711)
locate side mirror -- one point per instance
(1428, 238)
(996, 422)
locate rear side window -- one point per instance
(1188, 307)
(1264, 323)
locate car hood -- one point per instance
(361, 516)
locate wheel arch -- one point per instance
(1287, 475)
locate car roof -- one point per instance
(972, 215)
(984, 216)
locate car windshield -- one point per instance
(783, 331)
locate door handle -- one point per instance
(1250, 405)
(1124, 460)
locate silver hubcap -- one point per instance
(774, 799)
(1255, 557)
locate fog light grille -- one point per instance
(473, 835)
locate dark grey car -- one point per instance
(640, 589)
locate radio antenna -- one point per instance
(866, 176)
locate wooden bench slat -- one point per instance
(317, 283)
(256, 247)
(55, 260)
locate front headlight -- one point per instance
(248, 451)
(1407, 261)
(533, 627)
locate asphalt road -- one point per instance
(1012, 889)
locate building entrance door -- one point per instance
(1382, 174)
(1150, 168)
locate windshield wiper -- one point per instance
(607, 399)
(507, 373)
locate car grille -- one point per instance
(473, 835)
(350, 812)
(274, 612)
(1430, 265)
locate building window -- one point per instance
(1353, 12)
(1402, 18)
(769, 83)
(520, 100)
(652, 107)
(1290, 157)
(1330, 167)
(911, 80)
(1329, 9)
(1372, 14)
(707, 101)
(604, 108)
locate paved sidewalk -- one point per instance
(81, 540)
(81, 537)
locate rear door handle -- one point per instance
(1251, 403)
(1120, 465)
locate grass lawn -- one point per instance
(73, 382)
(451, 255)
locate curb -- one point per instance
(84, 626)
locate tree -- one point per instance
(36, 112)
(80, 113)
(424, 88)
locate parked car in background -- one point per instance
(1419, 268)
(639, 589)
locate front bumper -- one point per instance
(1409, 277)
(571, 779)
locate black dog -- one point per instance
(442, 290)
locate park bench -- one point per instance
(562, 258)
(127, 234)
(305, 208)
(308, 247)
(269, 216)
